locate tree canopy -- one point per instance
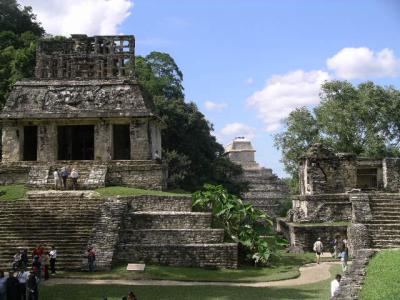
(363, 119)
(19, 32)
(193, 155)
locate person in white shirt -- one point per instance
(23, 276)
(335, 284)
(318, 249)
(74, 176)
(57, 179)
(53, 258)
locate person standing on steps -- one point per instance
(318, 249)
(12, 287)
(64, 176)
(2, 285)
(32, 286)
(22, 277)
(57, 179)
(74, 176)
(91, 256)
(344, 257)
(53, 258)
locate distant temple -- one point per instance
(266, 190)
(84, 109)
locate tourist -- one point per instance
(74, 177)
(12, 287)
(318, 249)
(22, 277)
(64, 176)
(344, 257)
(57, 179)
(38, 251)
(17, 261)
(131, 296)
(335, 244)
(91, 256)
(46, 265)
(53, 258)
(24, 258)
(33, 293)
(36, 266)
(335, 284)
(2, 285)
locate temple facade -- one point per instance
(266, 190)
(83, 109)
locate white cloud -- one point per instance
(284, 93)
(215, 106)
(232, 130)
(80, 16)
(361, 63)
(249, 81)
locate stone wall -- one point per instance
(303, 236)
(11, 149)
(14, 173)
(323, 208)
(391, 174)
(352, 281)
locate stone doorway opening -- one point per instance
(121, 142)
(75, 142)
(30, 143)
(367, 178)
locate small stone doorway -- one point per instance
(30, 143)
(121, 142)
(75, 142)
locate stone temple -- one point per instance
(346, 195)
(82, 109)
(266, 190)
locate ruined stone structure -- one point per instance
(266, 190)
(83, 109)
(337, 189)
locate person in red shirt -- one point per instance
(91, 256)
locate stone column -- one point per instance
(140, 143)
(11, 143)
(357, 233)
(102, 141)
(47, 143)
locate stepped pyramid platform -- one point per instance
(64, 219)
(164, 230)
(266, 190)
(150, 229)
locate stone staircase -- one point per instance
(63, 219)
(164, 230)
(266, 190)
(384, 228)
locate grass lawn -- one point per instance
(316, 291)
(12, 192)
(383, 277)
(128, 191)
(284, 268)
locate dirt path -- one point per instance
(309, 273)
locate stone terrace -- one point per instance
(63, 219)
(164, 230)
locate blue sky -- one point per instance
(253, 61)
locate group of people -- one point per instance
(339, 250)
(22, 284)
(61, 176)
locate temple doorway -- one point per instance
(76, 142)
(30, 143)
(121, 142)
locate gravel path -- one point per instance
(310, 273)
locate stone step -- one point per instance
(384, 236)
(161, 203)
(386, 243)
(169, 220)
(189, 255)
(172, 236)
(384, 221)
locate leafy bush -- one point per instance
(242, 222)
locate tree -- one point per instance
(364, 120)
(18, 38)
(187, 139)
